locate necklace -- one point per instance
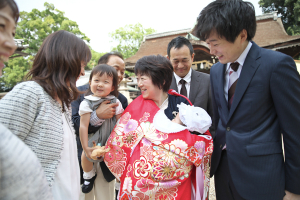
(164, 103)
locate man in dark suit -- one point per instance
(106, 110)
(196, 85)
(255, 94)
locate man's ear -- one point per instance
(243, 35)
(168, 57)
(193, 57)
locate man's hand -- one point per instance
(291, 196)
(106, 110)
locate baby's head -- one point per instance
(103, 81)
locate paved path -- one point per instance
(212, 194)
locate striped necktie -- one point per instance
(233, 79)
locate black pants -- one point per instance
(117, 191)
(225, 189)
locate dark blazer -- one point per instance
(266, 104)
(92, 129)
(200, 92)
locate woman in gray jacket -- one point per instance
(38, 110)
(21, 174)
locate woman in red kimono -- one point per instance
(151, 150)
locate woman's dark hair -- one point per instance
(109, 71)
(104, 59)
(13, 6)
(159, 68)
(228, 18)
(57, 63)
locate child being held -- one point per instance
(103, 86)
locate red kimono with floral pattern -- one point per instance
(154, 160)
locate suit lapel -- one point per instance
(220, 83)
(173, 84)
(193, 86)
(247, 73)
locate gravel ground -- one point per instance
(212, 194)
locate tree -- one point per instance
(94, 59)
(34, 27)
(14, 72)
(129, 38)
(289, 10)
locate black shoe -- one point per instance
(89, 187)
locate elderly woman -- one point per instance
(150, 150)
(38, 110)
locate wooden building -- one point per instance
(270, 34)
(20, 47)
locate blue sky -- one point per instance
(98, 18)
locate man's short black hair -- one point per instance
(178, 42)
(228, 18)
(104, 59)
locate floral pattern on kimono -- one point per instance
(152, 164)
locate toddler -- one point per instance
(103, 86)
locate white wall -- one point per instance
(298, 65)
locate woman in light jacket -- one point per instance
(38, 110)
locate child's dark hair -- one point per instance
(109, 71)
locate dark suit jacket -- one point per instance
(200, 92)
(266, 104)
(92, 129)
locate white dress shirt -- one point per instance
(241, 61)
(187, 78)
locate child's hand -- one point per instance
(88, 151)
(99, 152)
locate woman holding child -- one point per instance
(151, 150)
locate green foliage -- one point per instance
(293, 30)
(34, 27)
(129, 74)
(94, 59)
(288, 10)
(14, 72)
(129, 38)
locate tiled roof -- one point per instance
(154, 45)
(270, 33)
